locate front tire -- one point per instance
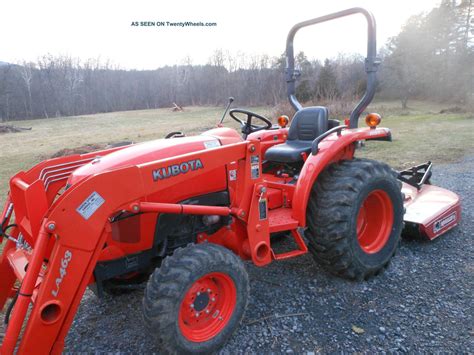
(355, 218)
(195, 301)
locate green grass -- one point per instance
(419, 134)
(420, 137)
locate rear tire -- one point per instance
(195, 301)
(355, 218)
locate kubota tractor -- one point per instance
(184, 212)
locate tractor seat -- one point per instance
(307, 124)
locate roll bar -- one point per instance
(371, 62)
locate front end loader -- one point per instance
(184, 212)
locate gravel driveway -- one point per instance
(421, 303)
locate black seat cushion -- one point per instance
(307, 124)
(288, 152)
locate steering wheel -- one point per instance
(247, 126)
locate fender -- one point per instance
(331, 149)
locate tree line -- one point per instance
(431, 58)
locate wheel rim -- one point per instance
(207, 307)
(375, 221)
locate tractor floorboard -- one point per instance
(280, 220)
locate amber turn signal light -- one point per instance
(373, 120)
(283, 121)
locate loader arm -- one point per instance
(71, 236)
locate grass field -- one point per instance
(419, 134)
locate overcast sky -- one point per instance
(91, 29)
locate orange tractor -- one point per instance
(184, 212)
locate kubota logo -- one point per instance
(176, 169)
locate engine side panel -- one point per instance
(142, 153)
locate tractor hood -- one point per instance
(143, 153)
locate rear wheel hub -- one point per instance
(375, 221)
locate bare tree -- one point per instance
(432, 57)
(26, 72)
